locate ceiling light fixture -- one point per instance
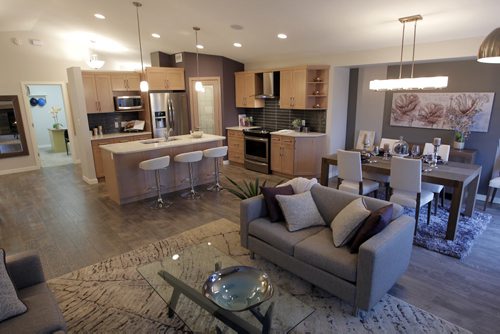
(282, 36)
(199, 46)
(99, 16)
(410, 83)
(489, 51)
(155, 35)
(95, 63)
(198, 86)
(237, 45)
(144, 86)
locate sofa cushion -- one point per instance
(273, 208)
(372, 225)
(318, 250)
(10, 305)
(43, 314)
(278, 236)
(346, 222)
(300, 211)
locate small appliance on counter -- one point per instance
(134, 126)
(128, 103)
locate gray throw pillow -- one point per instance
(10, 305)
(300, 211)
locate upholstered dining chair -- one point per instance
(350, 178)
(437, 189)
(365, 136)
(494, 183)
(380, 178)
(406, 185)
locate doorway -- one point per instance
(50, 122)
(206, 105)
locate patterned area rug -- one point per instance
(111, 296)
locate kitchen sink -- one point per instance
(157, 140)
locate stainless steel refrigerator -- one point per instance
(169, 110)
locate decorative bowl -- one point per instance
(197, 134)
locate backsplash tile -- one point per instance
(273, 118)
(107, 120)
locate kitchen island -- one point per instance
(126, 183)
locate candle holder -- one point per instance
(434, 159)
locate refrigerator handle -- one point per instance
(167, 115)
(172, 112)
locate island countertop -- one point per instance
(158, 143)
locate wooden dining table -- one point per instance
(462, 178)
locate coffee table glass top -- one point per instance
(192, 266)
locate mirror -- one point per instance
(12, 136)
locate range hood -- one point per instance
(270, 87)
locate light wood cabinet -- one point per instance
(125, 81)
(304, 87)
(235, 143)
(247, 85)
(96, 151)
(296, 156)
(98, 93)
(165, 78)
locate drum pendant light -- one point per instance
(198, 86)
(489, 51)
(144, 86)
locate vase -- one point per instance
(459, 145)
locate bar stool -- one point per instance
(156, 164)
(216, 153)
(190, 158)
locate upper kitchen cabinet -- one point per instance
(247, 85)
(125, 81)
(98, 92)
(304, 87)
(165, 78)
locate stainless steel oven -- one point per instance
(257, 150)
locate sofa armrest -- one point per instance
(382, 260)
(25, 269)
(250, 209)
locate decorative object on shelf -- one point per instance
(33, 102)
(411, 82)
(242, 119)
(198, 86)
(144, 85)
(401, 148)
(296, 124)
(42, 101)
(54, 111)
(489, 51)
(94, 62)
(317, 105)
(316, 92)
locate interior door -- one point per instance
(206, 106)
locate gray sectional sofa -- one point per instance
(361, 279)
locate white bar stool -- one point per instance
(216, 153)
(156, 164)
(190, 158)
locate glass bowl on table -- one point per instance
(401, 148)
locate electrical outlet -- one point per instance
(116, 125)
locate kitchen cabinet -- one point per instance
(235, 143)
(296, 156)
(165, 78)
(125, 81)
(96, 151)
(304, 87)
(247, 85)
(98, 93)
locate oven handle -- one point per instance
(256, 138)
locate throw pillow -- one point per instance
(300, 184)
(10, 305)
(347, 221)
(300, 211)
(372, 225)
(273, 208)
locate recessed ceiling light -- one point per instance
(282, 36)
(238, 45)
(155, 35)
(199, 46)
(99, 16)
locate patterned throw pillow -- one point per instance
(347, 221)
(10, 305)
(300, 211)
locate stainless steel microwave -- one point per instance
(126, 103)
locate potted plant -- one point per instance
(54, 111)
(248, 189)
(459, 140)
(296, 123)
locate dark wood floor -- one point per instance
(73, 224)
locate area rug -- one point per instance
(111, 296)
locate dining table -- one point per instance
(463, 178)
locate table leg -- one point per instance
(470, 201)
(325, 170)
(173, 302)
(456, 204)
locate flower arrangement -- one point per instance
(461, 112)
(54, 111)
(296, 123)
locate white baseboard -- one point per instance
(18, 170)
(225, 162)
(90, 181)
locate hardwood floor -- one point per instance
(72, 224)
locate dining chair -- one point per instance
(406, 185)
(494, 183)
(350, 178)
(365, 136)
(380, 178)
(437, 189)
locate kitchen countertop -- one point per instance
(119, 135)
(158, 143)
(241, 128)
(293, 133)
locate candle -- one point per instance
(386, 147)
(436, 141)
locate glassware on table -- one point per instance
(401, 148)
(387, 148)
(415, 151)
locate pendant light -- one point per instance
(94, 62)
(410, 83)
(144, 86)
(198, 86)
(489, 51)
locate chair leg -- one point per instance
(443, 197)
(494, 194)
(216, 187)
(387, 191)
(436, 201)
(488, 194)
(429, 205)
(375, 193)
(191, 194)
(417, 213)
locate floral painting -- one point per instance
(454, 111)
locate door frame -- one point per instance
(67, 112)
(193, 101)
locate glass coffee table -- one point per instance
(179, 280)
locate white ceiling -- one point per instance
(314, 27)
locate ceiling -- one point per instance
(314, 27)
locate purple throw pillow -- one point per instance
(273, 208)
(372, 225)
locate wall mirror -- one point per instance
(12, 136)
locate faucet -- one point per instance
(167, 132)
